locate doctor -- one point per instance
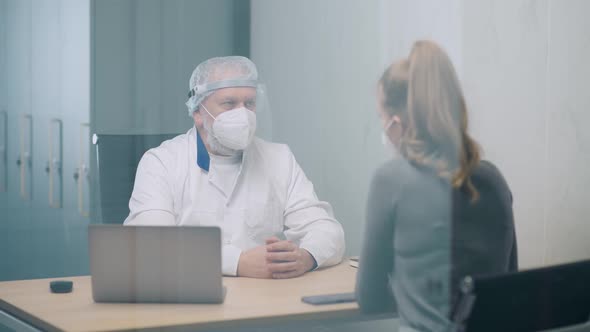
(220, 174)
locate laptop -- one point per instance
(158, 264)
(531, 300)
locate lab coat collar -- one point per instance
(203, 159)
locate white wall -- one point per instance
(403, 22)
(526, 77)
(524, 72)
(505, 83)
(568, 139)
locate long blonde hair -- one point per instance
(424, 91)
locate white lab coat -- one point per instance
(271, 196)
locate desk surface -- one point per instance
(248, 301)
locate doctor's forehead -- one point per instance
(239, 93)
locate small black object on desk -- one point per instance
(61, 286)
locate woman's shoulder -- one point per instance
(488, 175)
(393, 169)
(394, 174)
(488, 171)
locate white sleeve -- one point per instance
(230, 257)
(310, 222)
(151, 202)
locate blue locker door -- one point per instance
(46, 233)
(75, 112)
(15, 202)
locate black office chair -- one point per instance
(117, 157)
(531, 300)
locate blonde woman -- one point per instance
(435, 212)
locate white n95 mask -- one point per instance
(233, 129)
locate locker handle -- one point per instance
(53, 166)
(3, 150)
(24, 160)
(82, 174)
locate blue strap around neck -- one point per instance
(203, 159)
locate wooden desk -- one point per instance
(249, 302)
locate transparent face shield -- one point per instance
(263, 114)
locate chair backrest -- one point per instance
(532, 300)
(117, 157)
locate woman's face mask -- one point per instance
(231, 130)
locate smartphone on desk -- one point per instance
(329, 298)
